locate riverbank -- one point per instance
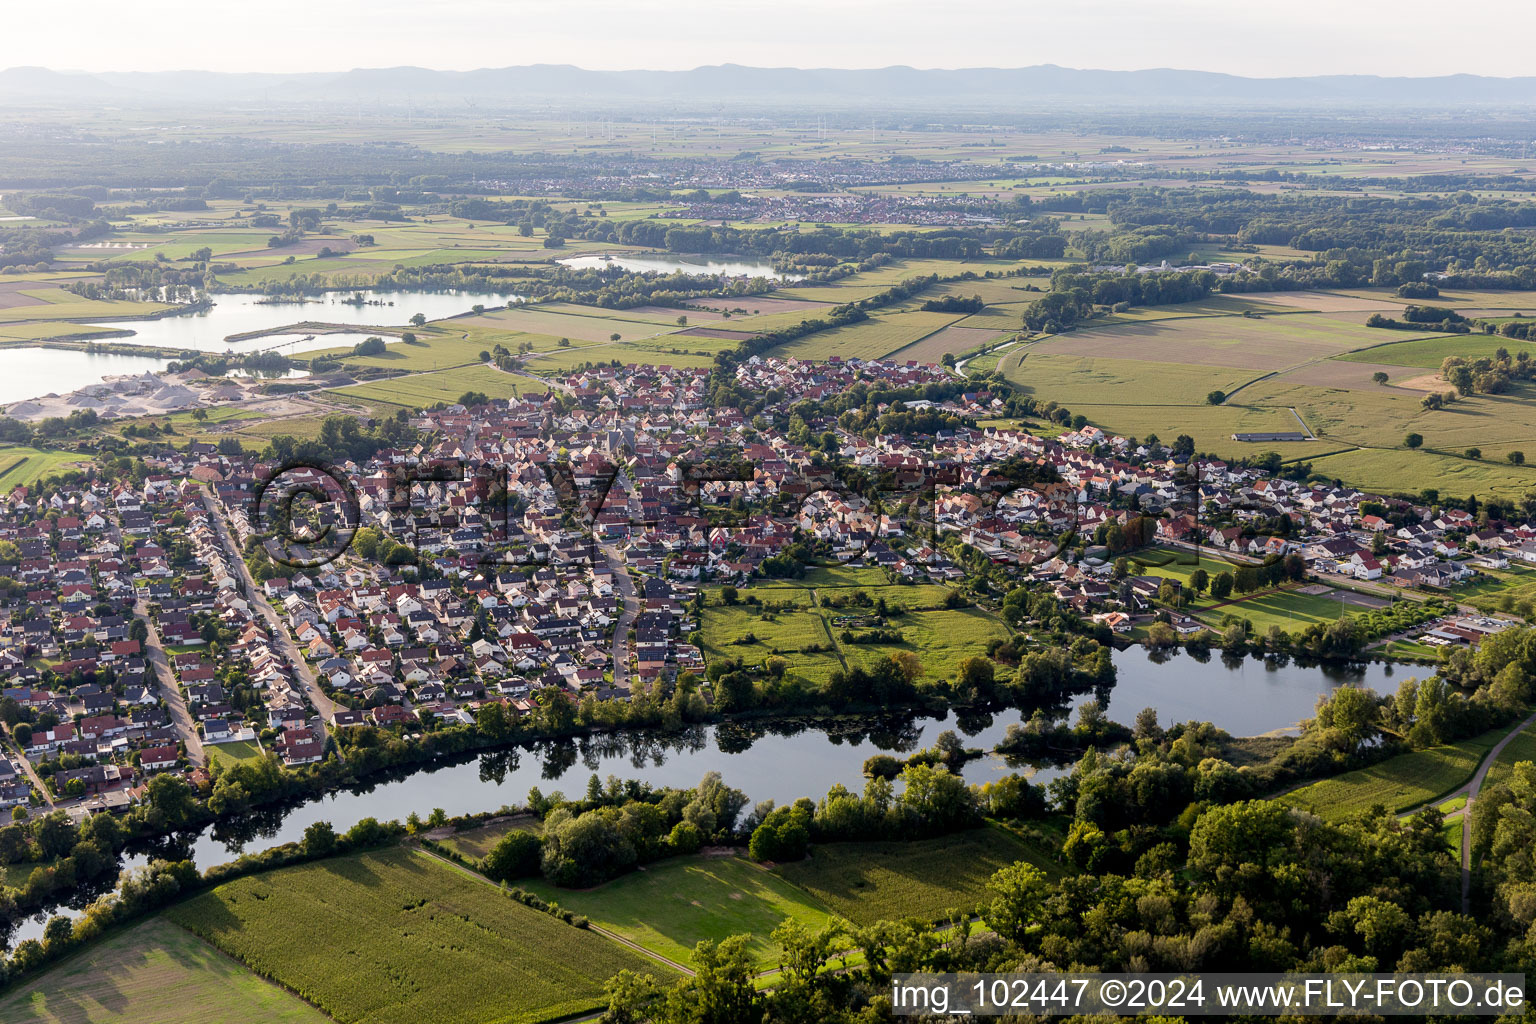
(315, 327)
(85, 342)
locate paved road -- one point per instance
(1471, 789)
(170, 691)
(26, 766)
(624, 587)
(323, 704)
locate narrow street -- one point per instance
(624, 588)
(170, 691)
(31, 773)
(284, 640)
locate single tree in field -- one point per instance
(1516, 458)
(1379, 377)
(1413, 440)
(1474, 453)
(1216, 397)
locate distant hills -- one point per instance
(731, 84)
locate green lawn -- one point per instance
(16, 875)
(234, 753)
(727, 628)
(1400, 783)
(1287, 609)
(396, 936)
(866, 882)
(941, 639)
(153, 973)
(672, 905)
(477, 842)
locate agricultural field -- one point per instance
(396, 936)
(879, 336)
(953, 341)
(726, 630)
(21, 466)
(1521, 748)
(1400, 783)
(1387, 470)
(838, 576)
(1150, 387)
(153, 973)
(673, 350)
(434, 348)
(670, 906)
(45, 302)
(926, 879)
(591, 323)
(1500, 590)
(1311, 368)
(1429, 353)
(417, 390)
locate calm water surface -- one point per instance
(1248, 697)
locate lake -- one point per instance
(1249, 697)
(725, 266)
(205, 330)
(33, 372)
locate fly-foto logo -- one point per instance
(308, 514)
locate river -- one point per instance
(1248, 697)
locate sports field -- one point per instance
(396, 936)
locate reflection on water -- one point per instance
(33, 372)
(781, 760)
(205, 330)
(724, 266)
(39, 371)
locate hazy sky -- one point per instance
(1297, 37)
